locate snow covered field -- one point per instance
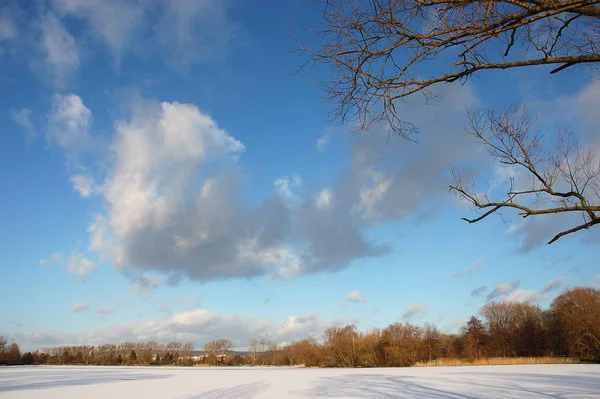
(497, 382)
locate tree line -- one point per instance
(570, 327)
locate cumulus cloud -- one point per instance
(79, 307)
(414, 312)
(322, 143)
(478, 291)
(502, 289)
(69, 122)
(354, 296)
(198, 327)
(59, 50)
(162, 218)
(174, 203)
(105, 311)
(80, 266)
(55, 258)
(22, 118)
(468, 270)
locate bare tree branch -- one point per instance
(379, 51)
(510, 139)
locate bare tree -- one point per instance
(217, 349)
(343, 343)
(401, 344)
(475, 337)
(379, 51)
(576, 315)
(565, 179)
(253, 349)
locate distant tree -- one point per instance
(500, 319)
(401, 344)
(475, 335)
(431, 341)
(369, 354)
(531, 338)
(576, 313)
(306, 352)
(343, 344)
(28, 358)
(217, 348)
(185, 356)
(253, 349)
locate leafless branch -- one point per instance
(377, 50)
(565, 180)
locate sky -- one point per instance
(166, 175)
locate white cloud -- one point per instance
(354, 296)
(22, 118)
(105, 311)
(173, 200)
(159, 218)
(371, 195)
(69, 123)
(83, 184)
(414, 312)
(81, 267)
(468, 270)
(60, 52)
(198, 327)
(322, 143)
(534, 296)
(502, 289)
(285, 185)
(55, 258)
(79, 307)
(324, 198)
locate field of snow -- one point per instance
(497, 382)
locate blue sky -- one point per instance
(165, 175)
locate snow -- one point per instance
(497, 382)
